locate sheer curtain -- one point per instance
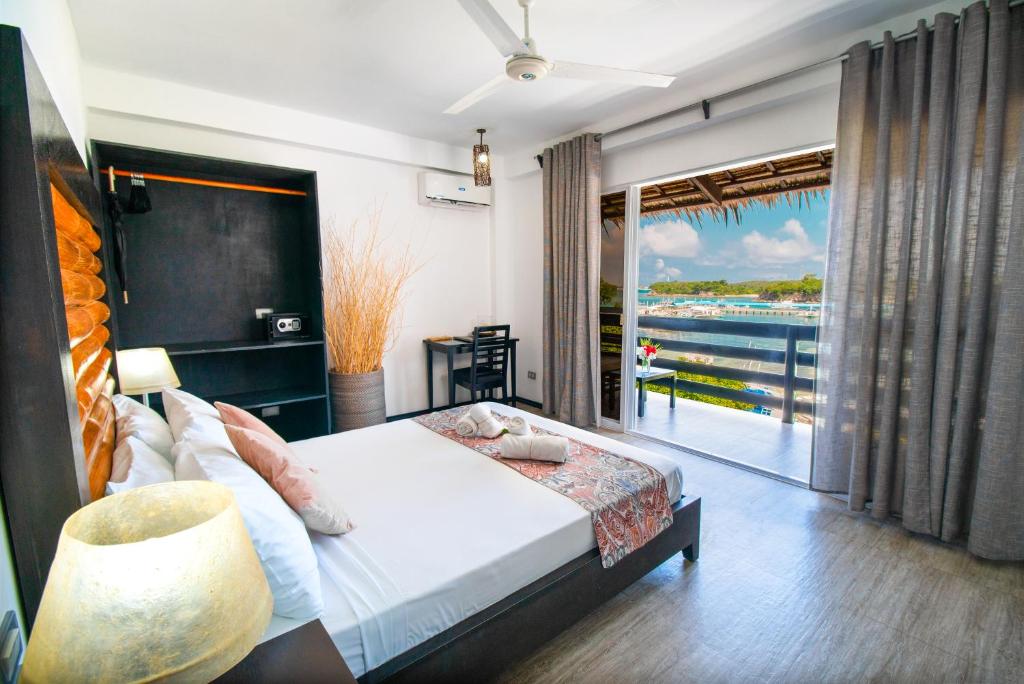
(920, 388)
(572, 263)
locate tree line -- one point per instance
(807, 289)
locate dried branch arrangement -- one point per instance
(363, 287)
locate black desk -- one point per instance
(452, 347)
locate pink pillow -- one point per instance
(232, 415)
(296, 483)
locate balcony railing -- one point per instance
(789, 357)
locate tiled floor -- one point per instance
(753, 439)
(791, 587)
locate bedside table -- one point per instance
(304, 654)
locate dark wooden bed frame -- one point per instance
(483, 645)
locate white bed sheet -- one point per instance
(442, 532)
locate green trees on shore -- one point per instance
(807, 289)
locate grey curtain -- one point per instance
(920, 391)
(572, 253)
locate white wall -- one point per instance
(451, 292)
(46, 26)
(518, 272)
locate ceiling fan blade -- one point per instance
(493, 26)
(589, 72)
(480, 93)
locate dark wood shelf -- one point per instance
(262, 398)
(219, 350)
(181, 349)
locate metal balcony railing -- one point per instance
(788, 381)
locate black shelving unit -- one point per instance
(199, 265)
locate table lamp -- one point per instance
(160, 582)
(145, 370)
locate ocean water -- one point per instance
(742, 341)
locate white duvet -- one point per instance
(442, 532)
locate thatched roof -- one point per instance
(794, 179)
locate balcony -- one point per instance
(744, 387)
(742, 437)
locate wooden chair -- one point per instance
(488, 369)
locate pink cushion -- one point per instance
(297, 484)
(232, 415)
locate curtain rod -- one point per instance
(212, 184)
(705, 104)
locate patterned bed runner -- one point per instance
(627, 500)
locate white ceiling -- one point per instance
(397, 64)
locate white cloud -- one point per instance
(790, 247)
(671, 239)
(665, 272)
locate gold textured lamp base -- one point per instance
(157, 583)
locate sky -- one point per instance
(784, 242)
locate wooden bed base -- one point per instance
(482, 646)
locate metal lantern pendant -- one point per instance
(481, 162)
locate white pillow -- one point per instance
(142, 422)
(192, 418)
(136, 464)
(278, 534)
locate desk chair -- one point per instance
(488, 369)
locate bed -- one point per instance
(454, 548)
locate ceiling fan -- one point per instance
(526, 65)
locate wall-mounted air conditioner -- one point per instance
(449, 190)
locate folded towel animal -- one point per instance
(518, 425)
(544, 448)
(489, 427)
(466, 426)
(479, 413)
(486, 424)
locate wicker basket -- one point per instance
(357, 400)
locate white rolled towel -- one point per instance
(466, 426)
(490, 427)
(487, 425)
(479, 413)
(535, 448)
(518, 425)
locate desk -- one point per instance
(643, 377)
(452, 347)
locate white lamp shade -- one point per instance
(141, 371)
(156, 583)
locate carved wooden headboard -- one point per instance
(77, 242)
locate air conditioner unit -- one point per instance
(449, 190)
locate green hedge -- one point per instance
(707, 380)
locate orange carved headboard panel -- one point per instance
(77, 244)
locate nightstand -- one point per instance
(304, 654)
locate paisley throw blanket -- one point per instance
(627, 500)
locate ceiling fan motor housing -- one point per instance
(527, 68)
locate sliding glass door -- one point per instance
(718, 309)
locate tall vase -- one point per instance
(357, 400)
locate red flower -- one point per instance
(650, 349)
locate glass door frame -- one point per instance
(630, 275)
(627, 422)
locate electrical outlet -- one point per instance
(270, 411)
(532, 375)
(263, 313)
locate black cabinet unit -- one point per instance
(200, 263)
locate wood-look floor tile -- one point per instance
(848, 647)
(791, 587)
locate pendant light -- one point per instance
(481, 161)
